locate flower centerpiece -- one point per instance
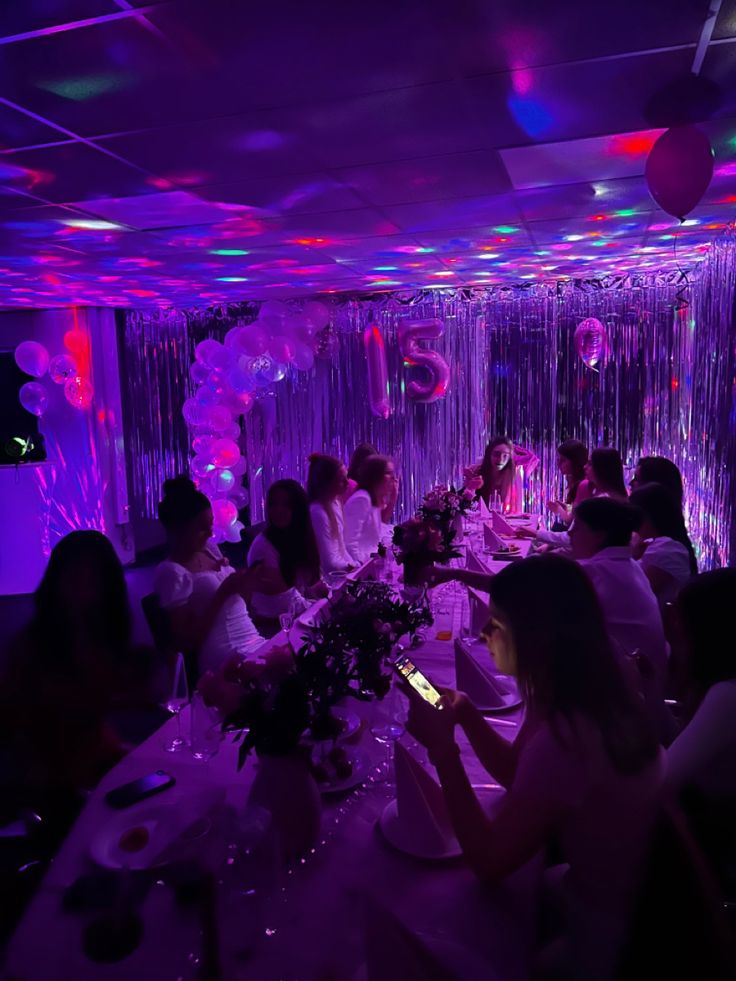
(281, 707)
(446, 507)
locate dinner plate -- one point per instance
(146, 829)
(336, 785)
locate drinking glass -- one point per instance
(388, 725)
(334, 580)
(177, 699)
(205, 729)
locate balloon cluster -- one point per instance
(229, 377)
(70, 369)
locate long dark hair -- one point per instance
(109, 623)
(576, 453)
(507, 476)
(618, 520)
(296, 545)
(181, 504)
(565, 663)
(608, 471)
(660, 470)
(661, 508)
(372, 472)
(360, 455)
(323, 471)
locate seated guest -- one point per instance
(700, 761)
(326, 483)
(600, 538)
(363, 525)
(659, 470)
(203, 595)
(360, 454)
(665, 551)
(497, 479)
(289, 548)
(572, 455)
(605, 474)
(585, 770)
(703, 754)
(68, 674)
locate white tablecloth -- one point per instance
(313, 928)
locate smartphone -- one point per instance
(411, 673)
(137, 790)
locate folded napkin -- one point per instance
(395, 953)
(474, 564)
(479, 611)
(501, 525)
(420, 805)
(484, 512)
(485, 691)
(491, 539)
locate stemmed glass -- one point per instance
(177, 699)
(388, 725)
(334, 580)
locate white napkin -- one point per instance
(395, 953)
(484, 691)
(474, 564)
(484, 512)
(491, 539)
(479, 611)
(420, 804)
(501, 525)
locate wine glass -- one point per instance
(334, 580)
(388, 725)
(177, 699)
(205, 729)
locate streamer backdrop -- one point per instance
(666, 387)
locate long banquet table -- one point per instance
(311, 926)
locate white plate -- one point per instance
(403, 839)
(155, 818)
(511, 699)
(361, 769)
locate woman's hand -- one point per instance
(525, 533)
(457, 705)
(557, 508)
(433, 575)
(431, 726)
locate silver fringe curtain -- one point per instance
(666, 388)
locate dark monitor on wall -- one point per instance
(15, 422)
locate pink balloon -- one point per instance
(375, 352)
(219, 417)
(201, 466)
(240, 497)
(61, 368)
(32, 358)
(34, 398)
(318, 313)
(273, 309)
(281, 348)
(223, 482)
(203, 445)
(205, 350)
(591, 342)
(225, 513)
(410, 333)
(225, 453)
(679, 169)
(78, 392)
(303, 357)
(199, 373)
(232, 431)
(252, 341)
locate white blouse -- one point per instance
(333, 555)
(271, 607)
(233, 631)
(671, 557)
(363, 526)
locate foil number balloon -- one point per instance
(375, 352)
(410, 334)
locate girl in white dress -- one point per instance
(364, 510)
(288, 547)
(664, 550)
(203, 595)
(327, 482)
